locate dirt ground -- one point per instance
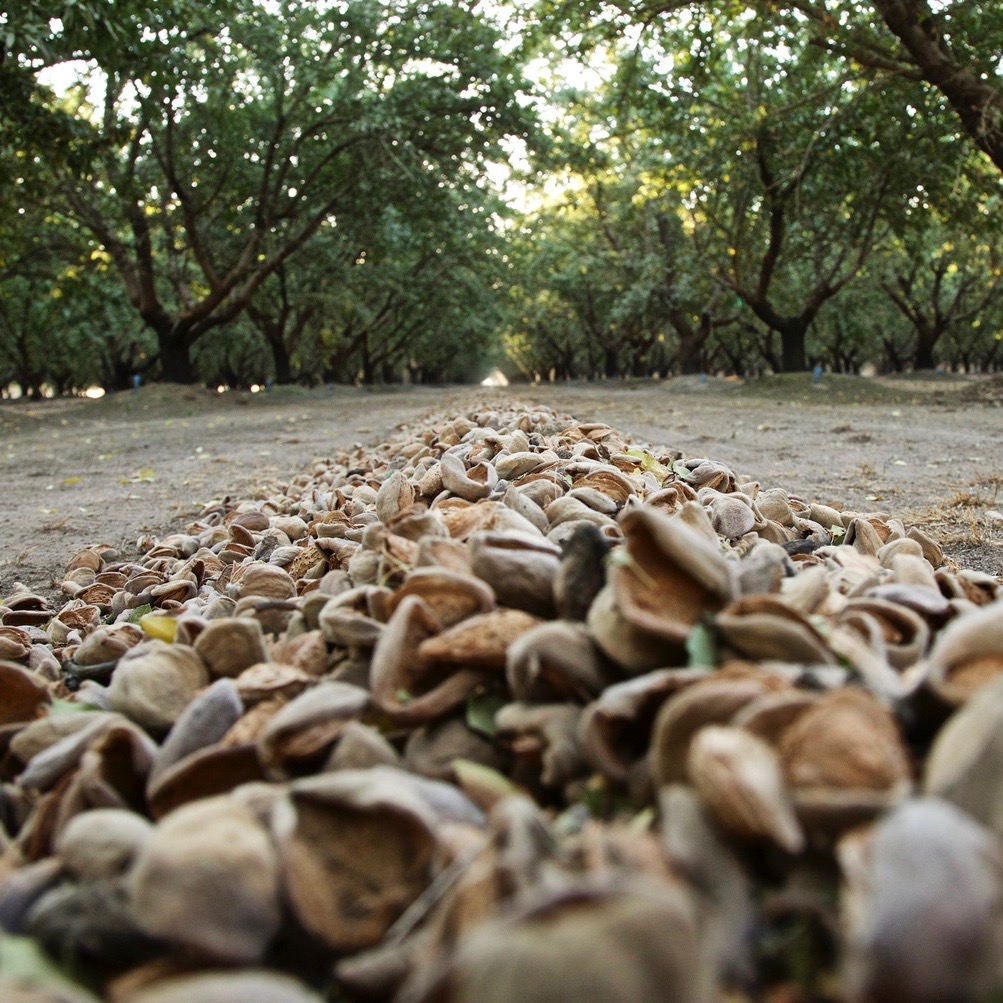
(77, 472)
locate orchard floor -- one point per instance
(77, 472)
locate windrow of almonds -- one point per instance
(508, 708)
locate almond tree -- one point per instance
(950, 47)
(942, 286)
(230, 140)
(773, 173)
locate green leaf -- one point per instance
(139, 612)
(69, 707)
(476, 778)
(481, 710)
(649, 463)
(23, 961)
(701, 647)
(682, 471)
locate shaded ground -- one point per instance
(80, 472)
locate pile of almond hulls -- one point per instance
(507, 707)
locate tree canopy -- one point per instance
(419, 189)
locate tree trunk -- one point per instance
(923, 359)
(611, 368)
(175, 357)
(367, 364)
(975, 100)
(691, 341)
(792, 354)
(117, 374)
(281, 361)
(892, 356)
(926, 340)
(568, 364)
(690, 354)
(990, 362)
(736, 362)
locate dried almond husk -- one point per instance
(738, 778)
(24, 695)
(452, 596)
(207, 879)
(666, 577)
(844, 760)
(711, 700)
(358, 846)
(480, 641)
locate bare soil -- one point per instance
(79, 472)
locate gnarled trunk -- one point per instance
(927, 337)
(282, 361)
(792, 353)
(175, 359)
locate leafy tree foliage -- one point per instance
(951, 46)
(938, 289)
(63, 324)
(768, 172)
(293, 190)
(226, 141)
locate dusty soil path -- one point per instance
(934, 459)
(80, 472)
